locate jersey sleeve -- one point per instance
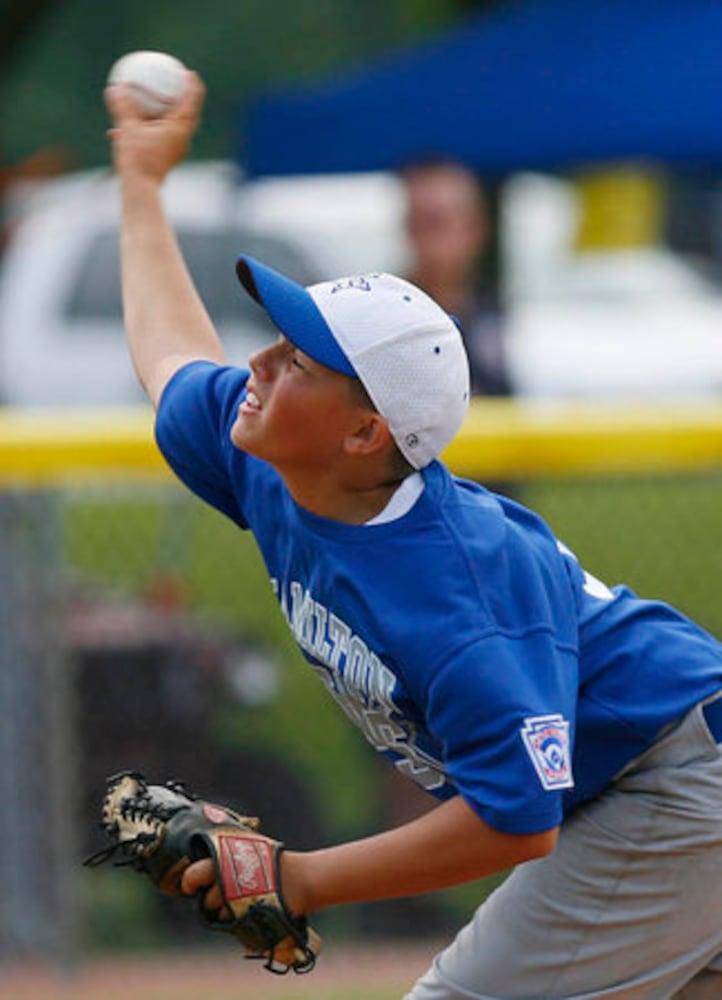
(503, 710)
(192, 429)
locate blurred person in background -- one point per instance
(449, 232)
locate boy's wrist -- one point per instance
(293, 889)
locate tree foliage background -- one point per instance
(55, 55)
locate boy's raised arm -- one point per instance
(166, 322)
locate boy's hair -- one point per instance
(399, 467)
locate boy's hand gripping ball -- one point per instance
(155, 80)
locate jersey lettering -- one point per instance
(359, 681)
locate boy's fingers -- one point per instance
(190, 102)
(213, 899)
(201, 875)
(124, 111)
(121, 105)
(196, 876)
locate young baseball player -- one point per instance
(568, 731)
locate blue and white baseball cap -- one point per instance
(407, 352)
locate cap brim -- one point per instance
(294, 312)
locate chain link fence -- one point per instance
(139, 631)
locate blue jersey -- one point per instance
(465, 641)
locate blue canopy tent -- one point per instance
(538, 84)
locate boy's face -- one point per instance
(296, 413)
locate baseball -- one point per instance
(155, 80)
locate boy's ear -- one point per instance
(370, 436)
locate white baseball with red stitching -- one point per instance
(155, 80)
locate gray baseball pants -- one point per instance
(628, 906)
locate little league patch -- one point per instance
(546, 738)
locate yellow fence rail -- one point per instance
(499, 439)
